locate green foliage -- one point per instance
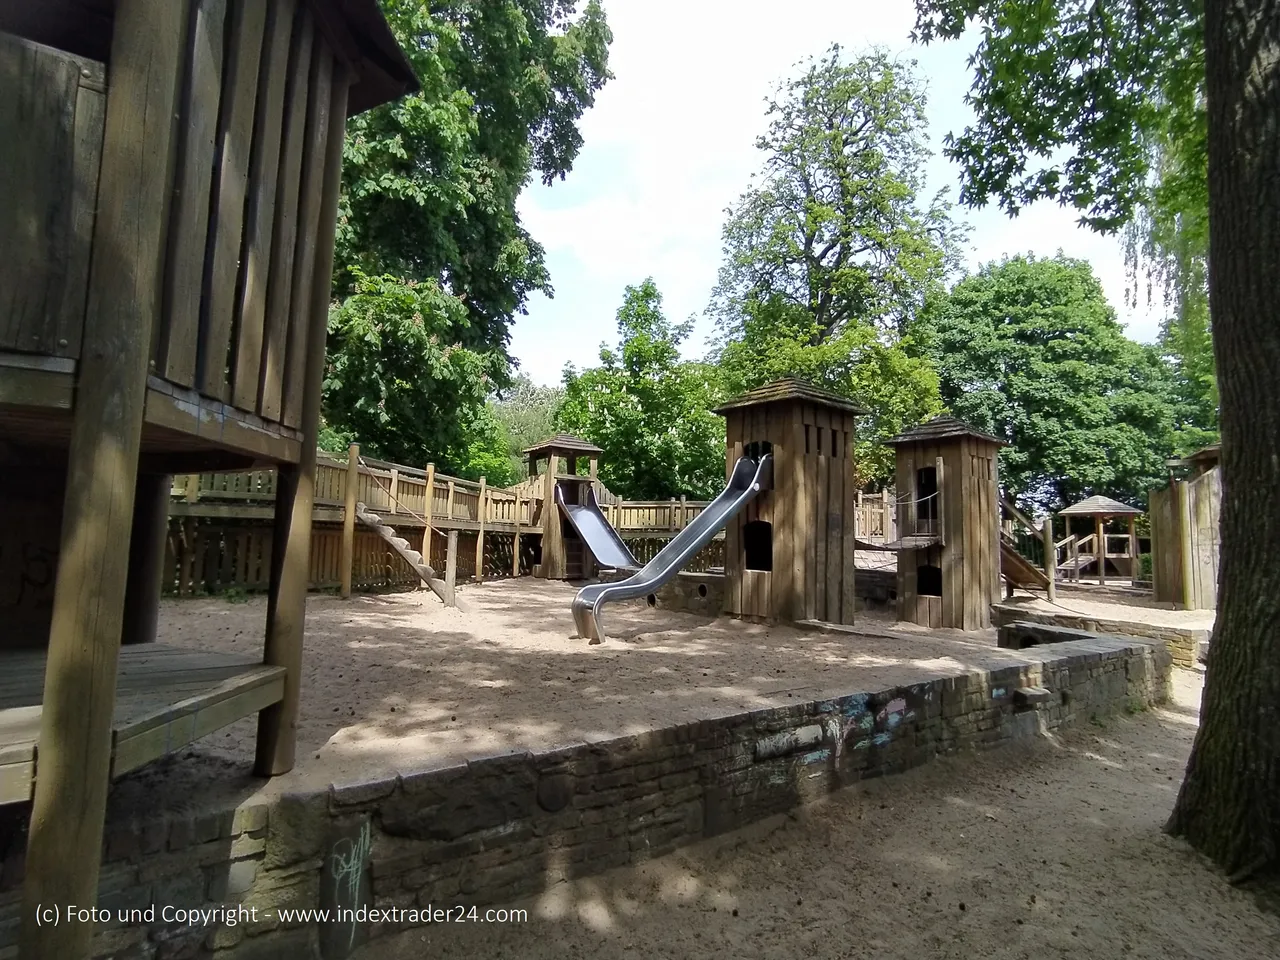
(405, 389)
(432, 262)
(834, 225)
(486, 452)
(897, 388)
(1069, 98)
(649, 411)
(527, 414)
(1030, 351)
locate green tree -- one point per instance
(1084, 82)
(527, 413)
(1029, 350)
(835, 225)
(897, 387)
(647, 410)
(428, 200)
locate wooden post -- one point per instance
(1100, 549)
(941, 499)
(64, 841)
(684, 514)
(394, 487)
(593, 470)
(448, 510)
(515, 543)
(886, 511)
(349, 518)
(481, 510)
(1135, 567)
(193, 487)
(1184, 543)
(295, 487)
(451, 571)
(671, 515)
(146, 558)
(1074, 546)
(1050, 558)
(429, 512)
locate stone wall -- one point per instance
(498, 828)
(1184, 642)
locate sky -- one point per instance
(670, 144)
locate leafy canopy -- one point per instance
(834, 225)
(1029, 350)
(896, 387)
(428, 208)
(647, 409)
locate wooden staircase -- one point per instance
(1018, 570)
(401, 546)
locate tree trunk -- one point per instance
(1229, 805)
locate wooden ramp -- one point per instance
(1018, 570)
(401, 546)
(166, 697)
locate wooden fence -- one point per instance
(220, 532)
(1185, 541)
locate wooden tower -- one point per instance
(564, 555)
(171, 171)
(789, 554)
(948, 524)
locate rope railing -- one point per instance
(398, 501)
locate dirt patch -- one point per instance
(1053, 850)
(1134, 610)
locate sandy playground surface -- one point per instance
(397, 682)
(1048, 850)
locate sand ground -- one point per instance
(1050, 850)
(397, 682)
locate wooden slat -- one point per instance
(179, 332)
(235, 140)
(285, 235)
(818, 532)
(264, 168)
(51, 123)
(847, 564)
(310, 211)
(833, 526)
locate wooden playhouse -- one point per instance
(172, 170)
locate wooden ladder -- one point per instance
(401, 546)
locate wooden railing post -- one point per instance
(515, 548)
(451, 571)
(684, 517)
(428, 513)
(1134, 567)
(349, 518)
(1100, 550)
(481, 510)
(448, 509)
(886, 517)
(1050, 558)
(394, 488)
(193, 487)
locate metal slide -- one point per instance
(596, 532)
(744, 484)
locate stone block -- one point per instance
(296, 829)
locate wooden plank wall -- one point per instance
(1204, 506)
(1166, 545)
(241, 240)
(969, 560)
(811, 509)
(51, 127)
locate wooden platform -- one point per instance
(166, 697)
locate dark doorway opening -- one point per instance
(757, 544)
(928, 581)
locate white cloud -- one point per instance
(670, 144)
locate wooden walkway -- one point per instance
(166, 697)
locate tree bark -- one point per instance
(1229, 804)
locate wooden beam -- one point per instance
(146, 557)
(1134, 571)
(481, 510)
(125, 280)
(349, 518)
(1050, 558)
(451, 571)
(427, 513)
(515, 549)
(1100, 549)
(291, 550)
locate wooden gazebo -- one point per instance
(563, 554)
(1103, 509)
(171, 172)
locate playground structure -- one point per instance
(949, 551)
(1185, 533)
(172, 169)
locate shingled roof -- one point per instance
(790, 389)
(563, 443)
(942, 428)
(1099, 506)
